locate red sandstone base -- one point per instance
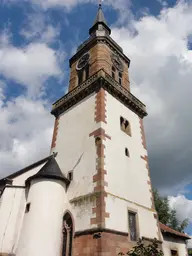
(107, 245)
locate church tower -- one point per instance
(100, 141)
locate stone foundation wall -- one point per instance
(106, 243)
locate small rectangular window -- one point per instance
(132, 226)
(27, 209)
(70, 175)
(174, 252)
(127, 152)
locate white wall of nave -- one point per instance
(11, 216)
(12, 208)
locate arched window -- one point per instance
(83, 74)
(67, 235)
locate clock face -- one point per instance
(84, 60)
(117, 62)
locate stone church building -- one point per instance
(93, 194)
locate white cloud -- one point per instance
(161, 74)
(38, 28)
(30, 66)
(25, 134)
(121, 5)
(183, 206)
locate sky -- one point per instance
(37, 38)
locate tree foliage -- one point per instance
(167, 215)
(141, 250)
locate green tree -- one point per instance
(167, 215)
(141, 250)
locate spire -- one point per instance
(100, 16)
(100, 20)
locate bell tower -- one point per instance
(100, 51)
(100, 141)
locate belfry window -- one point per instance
(82, 68)
(67, 235)
(125, 126)
(120, 78)
(113, 72)
(86, 72)
(83, 74)
(80, 77)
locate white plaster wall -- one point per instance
(178, 245)
(42, 227)
(126, 177)
(12, 207)
(82, 213)
(118, 219)
(76, 150)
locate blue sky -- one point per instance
(37, 38)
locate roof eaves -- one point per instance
(166, 229)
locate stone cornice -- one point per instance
(100, 230)
(90, 42)
(99, 80)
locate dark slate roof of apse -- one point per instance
(50, 170)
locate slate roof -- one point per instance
(166, 229)
(50, 170)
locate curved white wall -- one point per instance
(42, 227)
